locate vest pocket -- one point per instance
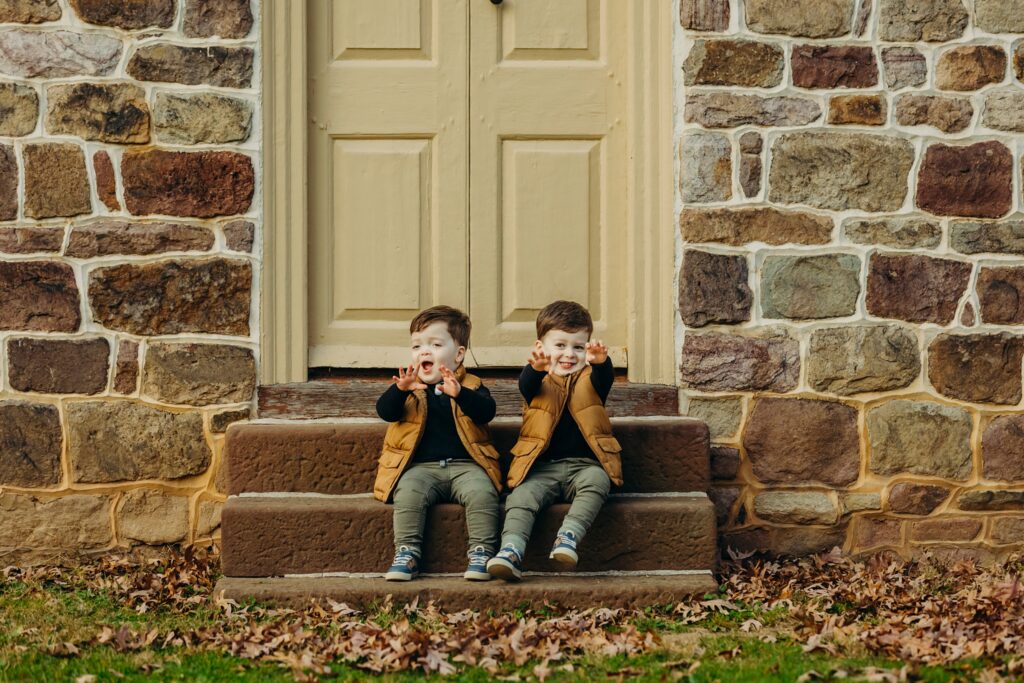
(525, 447)
(390, 458)
(488, 451)
(609, 444)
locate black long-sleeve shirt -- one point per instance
(440, 439)
(567, 440)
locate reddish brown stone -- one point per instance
(8, 183)
(916, 499)
(1018, 60)
(713, 289)
(742, 226)
(725, 463)
(31, 240)
(865, 110)
(126, 374)
(915, 288)
(126, 14)
(170, 297)
(1002, 448)
(239, 236)
(224, 18)
(30, 444)
(724, 498)
(38, 296)
(970, 67)
(871, 532)
(797, 441)
(201, 184)
(948, 114)
(826, 66)
(976, 180)
(106, 185)
(704, 15)
(121, 237)
(945, 529)
(224, 67)
(789, 541)
(724, 362)
(967, 319)
(1001, 295)
(982, 368)
(58, 366)
(56, 182)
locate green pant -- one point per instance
(580, 480)
(460, 481)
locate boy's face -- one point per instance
(568, 350)
(432, 347)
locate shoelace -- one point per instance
(566, 539)
(403, 555)
(478, 555)
(511, 553)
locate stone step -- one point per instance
(276, 535)
(455, 593)
(659, 454)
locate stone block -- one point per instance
(219, 422)
(729, 110)
(74, 522)
(920, 437)
(725, 463)
(1002, 448)
(1001, 295)
(199, 374)
(831, 66)
(945, 529)
(741, 226)
(839, 171)
(171, 297)
(861, 110)
(199, 184)
(30, 444)
(874, 532)
(713, 289)
(126, 14)
(796, 507)
(905, 67)
(208, 513)
(862, 358)
(224, 67)
(107, 112)
(999, 16)
(1007, 530)
(29, 11)
(722, 415)
(802, 18)
(810, 287)
(19, 109)
(981, 368)
(106, 184)
(113, 441)
(1004, 110)
(860, 502)
(910, 21)
(991, 500)
(1004, 237)
(800, 441)
(109, 237)
(908, 498)
(706, 167)
(152, 516)
(970, 67)
(704, 15)
(56, 182)
(900, 232)
(724, 499)
(915, 288)
(18, 240)
(744, 63)
(38, 296)
(948, 114)
(222, 18)
(8, 183)
(239, 236)
(57, 54)
(201, 118)
(58, 366)
(126, 372)
(725, 362)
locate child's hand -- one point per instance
(450, 385)
(408, 378)
(597, 352)
(539, 361)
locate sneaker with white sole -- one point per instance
(564, 550)
(476, 570)
(405, 566)
(507, 564)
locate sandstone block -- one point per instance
(152, 516)
(991, 500)
(803, 18)
(30, 444)
(1005, 237)
(798, 507)
(58, 366)
(899, 232)
(909, 21)
(945, 529)
(724, 362)
(873, 532)
(829, 66)
(106, 185)
(729, 110)
(126, 373)
(31, 240)
(920, 437)
(1001, 295)
(999, 16)
(56, 182)
(1004, 110)
(1007, 530)
(224, 67)
(239, 236)
(110, 441)
(220, 422)
(38, 296)
(742, 226)
(1002, 448)
(862, 358)
(810, 287)
(201, 118)
(948, 114)
(29, 11)
(109, 237)
(970, 67)
(200, 184)
(745, 63)
(171, 297)
(208, 513)
(981, 368)
(224, 18)
(199, 374)
(57, 54)
(725, 463)
(722, 415)
(974, 181)
(713, 289)
(75, 522)
(126, 14)
(839, 171)
(8, 183)
(108, 112)
(704, 15)
(1018, 60)
(864, 110)
(798, 441)
(915, 288)
(707, 167)
(19, 109)
(724, 499)
(905, 67)
(860, 502)
(916, 499)
(967, 318)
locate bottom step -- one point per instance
(456, 593)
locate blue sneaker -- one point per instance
(405, 566)
(564, 552)
(477, 568)
(507, 564)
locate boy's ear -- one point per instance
(459, 355)
(538, 345)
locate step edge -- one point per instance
(282, 495)
(441, 575)
(503, 419)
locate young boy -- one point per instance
(566, 447)
(438, 447)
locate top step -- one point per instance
(660, 454)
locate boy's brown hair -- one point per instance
(458, 322)
(564, 315)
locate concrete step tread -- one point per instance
(455, 593)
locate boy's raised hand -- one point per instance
(450, 385)
(597, 352)
(408, 378)
(538, 360)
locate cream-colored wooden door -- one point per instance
(468, 154)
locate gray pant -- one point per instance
(580, 480)
(460, 481)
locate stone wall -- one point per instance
(128, 162)
(851, 286)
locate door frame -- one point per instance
(650, 229)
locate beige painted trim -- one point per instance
(650, 259)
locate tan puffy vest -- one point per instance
(402, 438)
(545, 410)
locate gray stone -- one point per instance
(707, 167)
(1004, 237)
(908, 21)
(948, 114)
(722, 415)
(30, 444)
(1004, 110)
(745, 63)
(108, 112)
(796, 507)
(239, 236)
(804, 18)
(991, 500)
(199, 374)
(56, 54)
(111, 441)
(725, 362)
(810, 287)
(1008, 530)
(225, 67)
(19, 109)
(862, 358)
(713, 289)
(839, 171)
(73, 522)
(905, 67)
(201, 118)
(152, 516)
(729, 110)
(919, 437)
(899, 232)
(29, 11)
(999, 16)
(208, 513)
(224, 18)
(860, 502)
